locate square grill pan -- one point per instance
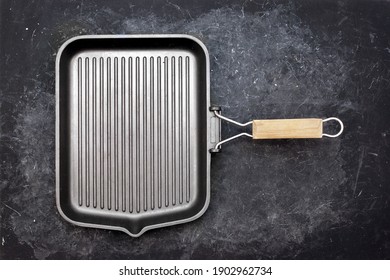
(133, 131)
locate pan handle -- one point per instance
(280, 128)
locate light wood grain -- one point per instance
(287, 128)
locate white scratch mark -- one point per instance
(9, 207)
(342, 20)
(358, 170)
(32, 35)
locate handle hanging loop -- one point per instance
(341, 127)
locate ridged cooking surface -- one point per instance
(131, 115)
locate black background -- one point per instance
(284, 199)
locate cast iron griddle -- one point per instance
(133, 131)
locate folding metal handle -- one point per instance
(280, 128)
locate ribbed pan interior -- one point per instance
(132, 131)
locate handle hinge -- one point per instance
(217, 115)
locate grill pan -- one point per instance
(135, 130)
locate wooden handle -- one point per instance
(287, 128)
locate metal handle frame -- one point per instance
(217, 146)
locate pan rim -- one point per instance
(57, 131)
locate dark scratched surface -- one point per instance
(283, 199)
